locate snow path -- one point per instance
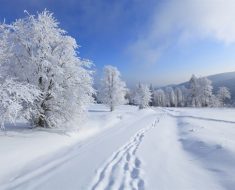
(175, 113)
(124, 164)
(167, 165)
(209, 142)
(75, 168)
(159, 148)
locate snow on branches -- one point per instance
(142, 96)
(47, 59)
(223, 94)
(112, 89)
(198, 92)
(14, 98)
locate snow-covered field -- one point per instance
(155, 148)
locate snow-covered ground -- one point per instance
(158, 148)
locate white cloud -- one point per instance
(185, 20)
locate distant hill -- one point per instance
(219, 80)
(224, 79)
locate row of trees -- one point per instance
(42, 78)
(198, 92)
(113, 91)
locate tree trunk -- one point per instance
(41, 121)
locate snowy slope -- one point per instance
(36, 147)
(168, 166)
(208, 137)
(159, 148)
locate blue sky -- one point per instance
(153, 41)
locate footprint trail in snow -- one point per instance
(123, 170)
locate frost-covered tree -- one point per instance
(215, 101)
(205, 92)
(14, 97)
(142, 96)
(5, 46)
(200, 92)
(193, 95)
(159, 98)
(112, 89)
(179, 97)
(185, 93)
(44, 56)
(223, 94)
(152, 95)
(167, 96)
(130, 96)
(171, 100)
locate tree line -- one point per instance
(198, 92)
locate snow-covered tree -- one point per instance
(43, 55)
(223, 94)
(205, 92)
(179, 97)
(193, 96)
(171, 100)
(14, 97)
(5, 46)
(167, 97)
(200, 92)
(129, 97)
(215, 101)
(159, 98)
(142, 96)
(112, 89)
(152, 95)
(185, 93)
